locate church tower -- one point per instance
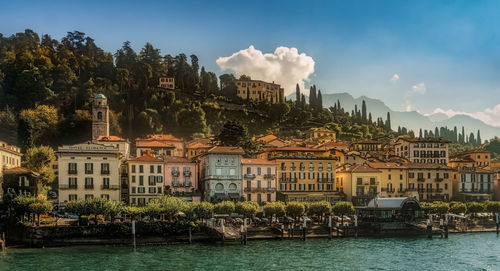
(100, 117)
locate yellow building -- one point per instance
(145, 178)
(259, 180)
(305, 174)
(197, 147)
(259, 91)
(480, 157)
(322, 135)
(430, 182)
(394, 178)
(166, 82)
(360, 183)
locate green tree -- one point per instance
(203, 210)
(247, 208)
(40, 207)
(37, 125)
(295, 209)
(320, 209)
(40, 160)
(475, 207)
(493, 206)
(224, 207)
(458, 208)
(343, 208)
(275, 208)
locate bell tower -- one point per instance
(100, 117)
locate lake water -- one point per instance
(480, 251)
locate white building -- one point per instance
(145, 178)
(221, 173)
(88, 170)
(10, 157)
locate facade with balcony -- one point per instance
(473, 184)
(160, 145)
(393, 180)
(181, 178)
(259, 180)
(145, 178)
(429, 182)
(423, 150)
(359, 182)
(88, 170)
(305, 174)
(10, 157)
(221, 173)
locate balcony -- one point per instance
(249, 176)
(187, 183)
(430, 190)
(439, 190)
(175, 173)
(439, 179)
(110, 187)
(292, 168)
(67, 186)
(269, 176)
(187, 173)
(320, 180)
(411, 189)
(260, 189)
(293, 180)
(72, 171)
(105, 171)
(420, 180)
(89, 186)
(388, 190)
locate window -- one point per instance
(104, 168)
(105, 196)
(249, 170)
(152, 190)
(89, 196)
(89, 183)
(158, 169)
(372, 181)
(389, 176)
(141, 169)
(133, 189)
(133, 168)
(141, 190)
(72, 168)
(72, 197)
(72, 182)
(359, 181)
(158, 190)
(151, 169)
(268, 197)
(105, 183)
(133, 178)
(89, 168)
(258, 171)
(151, 180)
(141, 180)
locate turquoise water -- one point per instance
(479, 251)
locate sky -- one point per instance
(428, 56)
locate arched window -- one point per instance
(232, 186)
(219, 187)
(99, 115)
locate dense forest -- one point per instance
(46, 89)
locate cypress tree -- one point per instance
(479, 137)
(320, 100)
(370, 118)
(303, 100)
(455, 134)
(338, 104)
(420, 133)
(472, 140)
(312, 96)
(363, 112)
(463, 135)
(388, 121)
(436, 132)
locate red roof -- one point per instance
(251, 161)
(348, 168)
(299, 149)
(160, 137)
(226, 149)
(19, 170)
(154, 143)
(146, 157)
(111, 138)
(176, 159)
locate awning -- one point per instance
(220, 195)
(234, 195)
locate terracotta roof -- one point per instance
(19, 170)
(146, 157)
(464, 153)
(226, 149)
(160, 137)
(424, 140)
(198, 145)
(267, 138)
(357, 168)
(111, 138)
(252, 161)
(427, 166)
(154, 143)
(385, 165)
(176, 159)
(299, 149)
(366, 141)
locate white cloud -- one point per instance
(395, 78)
(285, 66)
(419, 88)
(490, 116)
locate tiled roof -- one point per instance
(176, 159)
(146, 157)
(111, 139)
(299, 149)
(424, 140)
(267, 138)
(427, 166)
(358, 168)
(251, 161)
(386, 165)
(160, 137)
(227, 150)
(153, 143)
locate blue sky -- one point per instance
(445, 53)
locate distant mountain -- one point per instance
(411, 120)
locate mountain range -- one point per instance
(412, 119)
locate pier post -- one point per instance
(429, 228)
(4, 240)
(304, 229)
(133, 233)
(329, 227)
(356, 226)
(245, 229)
(446, 226)
(497, 218)
(190, 236)
(282, 232)
(289, 231)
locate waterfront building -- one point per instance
(100, 117)
(221, 174)
(181, 178)
(196, 147)
(166, 82)
(271, 140)
(359, 182)
(387, 210)
(160, 145)
(10, 156)
(305, 174)
(473, 184)
(259, 180)
(423, 150)
(20, 181)
(394, 178)
(122, 144)
(496, 182)
(259, 91)
(429, 182)
(88, 170)
(145, 178)
(365, 147)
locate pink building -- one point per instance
(181, 178)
